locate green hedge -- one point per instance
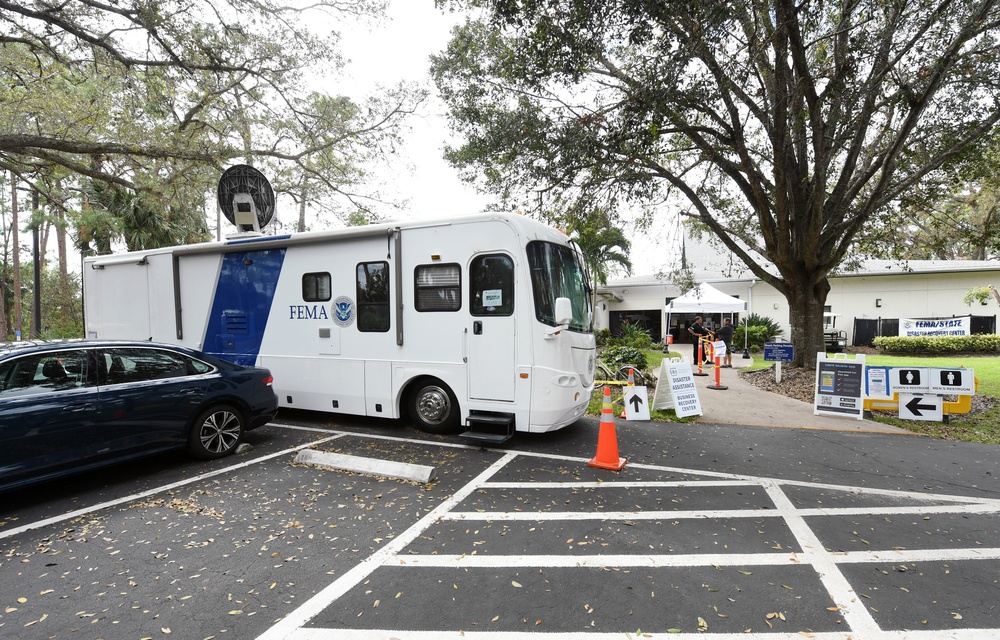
(979, 343)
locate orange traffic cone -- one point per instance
(607, 439)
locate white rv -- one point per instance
(478, 324)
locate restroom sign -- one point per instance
(952, 381)
(909, 379)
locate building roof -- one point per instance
(865, 268)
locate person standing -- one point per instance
(697, 331)
(725, 333)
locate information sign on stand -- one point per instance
(877, 383)
(778, 352)
(719, 348)
(840, 386)
(677, 380)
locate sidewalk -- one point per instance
(743, 403)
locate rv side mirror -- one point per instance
(564, 312)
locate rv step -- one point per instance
(489, 429)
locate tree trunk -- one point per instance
(16, 253)
(61, 243)
(302, 205)
(806, 302)
(4, 323)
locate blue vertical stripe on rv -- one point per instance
(243, 297)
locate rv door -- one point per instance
(492, 339)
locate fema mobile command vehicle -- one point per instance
(479, 324)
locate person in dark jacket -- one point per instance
(725, 333)
(697, 331)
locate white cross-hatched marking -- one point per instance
(858, 621)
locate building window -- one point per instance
(316, 287)
(373, 296)
(438, 287)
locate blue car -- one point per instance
(74, 405)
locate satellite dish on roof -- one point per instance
(246, 198)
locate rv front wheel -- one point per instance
(433, 408)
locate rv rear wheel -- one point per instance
(434, 408)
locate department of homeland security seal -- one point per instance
(343, 311)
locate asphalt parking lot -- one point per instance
(709, 531)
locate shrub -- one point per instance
(618, 356)
(979, 343)
(755, 330)
(631, 335)
(602, 336)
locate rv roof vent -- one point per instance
(246, 198)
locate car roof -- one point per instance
(42, 346)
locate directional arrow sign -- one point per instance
(636, 403)
(920, 407)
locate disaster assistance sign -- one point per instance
(675, 389)
(937, 327)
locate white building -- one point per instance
(860, 302)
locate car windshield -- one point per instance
(556, 273)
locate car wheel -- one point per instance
(216, 432)
(434, 408)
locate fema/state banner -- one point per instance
(961, 326)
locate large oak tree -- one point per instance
(157, 97)
(786, 127)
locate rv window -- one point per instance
(491, 286)
(438, 287)
(373, 296)
(316, 287)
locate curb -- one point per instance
(374, 466)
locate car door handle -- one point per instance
(193, 391)
(82, 406)
(477, 327)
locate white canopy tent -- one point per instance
(705, 298)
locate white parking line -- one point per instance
(813, 551)
(7, 533)
(718, 513)
(291, 624)
(826, 564)
(357, 634)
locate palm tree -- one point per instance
(602, 245)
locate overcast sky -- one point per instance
(399, 49)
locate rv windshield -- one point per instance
(556, 273)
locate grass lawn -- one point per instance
(983, 427)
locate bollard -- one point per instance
(701, 356)
(718, 386)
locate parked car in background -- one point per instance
(75, 405)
